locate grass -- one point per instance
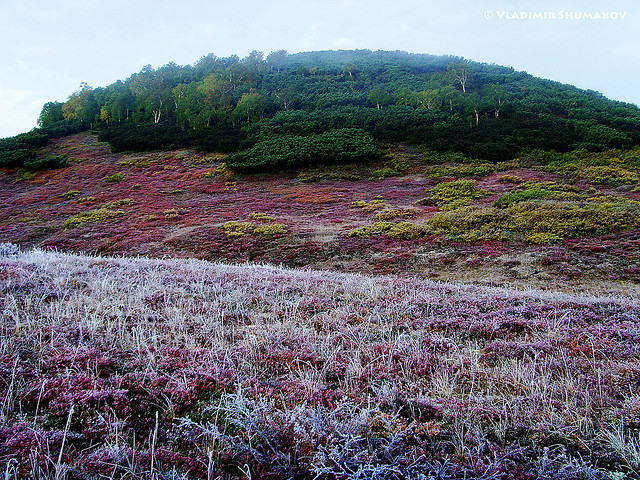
(137, 368)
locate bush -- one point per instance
(14, 153)
(607, 174)
(345, 145)
(510, 179)
(47, 163)
(449, 191)
(465, 170)
(539, 221)
(115, 178)
(517, 196)
(271, 229)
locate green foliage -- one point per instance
(390, 214)
(70, 194)
(517, 196)
(607, 174)
(14, 153)
(458, 189)
(453, 105)
(540, 221)
(396, 164)
(115, 178)
(237, 229)
(334, 146)
(240, 229)
(369, 206)
(271, 229)
(510, 179)
(102, 214)
(261, 217)
(46, 163)
(400, 230)
(34, 138)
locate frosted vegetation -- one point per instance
(136, 368)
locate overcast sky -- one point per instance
(48, 47)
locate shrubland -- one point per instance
(138, 368)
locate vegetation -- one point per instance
(275, 111)
(419, 166)
(134, 368)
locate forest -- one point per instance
(294, 110)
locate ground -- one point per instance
(177, 203)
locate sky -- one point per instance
(49, 47)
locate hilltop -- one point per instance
(330, 107)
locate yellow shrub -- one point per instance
(237, 229)
(271, 229)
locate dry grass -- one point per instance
(134, 368)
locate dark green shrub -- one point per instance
(346, 145)
(34, 138)
(47, 163)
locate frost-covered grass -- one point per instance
(138, 368)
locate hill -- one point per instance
(331, 106)
(546, 220)
(186, 369)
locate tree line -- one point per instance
(242, 105)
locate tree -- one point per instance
(73, 108)
(459, 71)
(50, 114)
(496, 95)
(380, 97)
(428, 99)
(287, 96)
(276, 60)
(349, 68)
(250, 105)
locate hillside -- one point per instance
(568, 222)
(137, 368)
(330, 107)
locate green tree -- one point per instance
(380, 97)
(276, 60)
(251, 104)
(50, 114)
